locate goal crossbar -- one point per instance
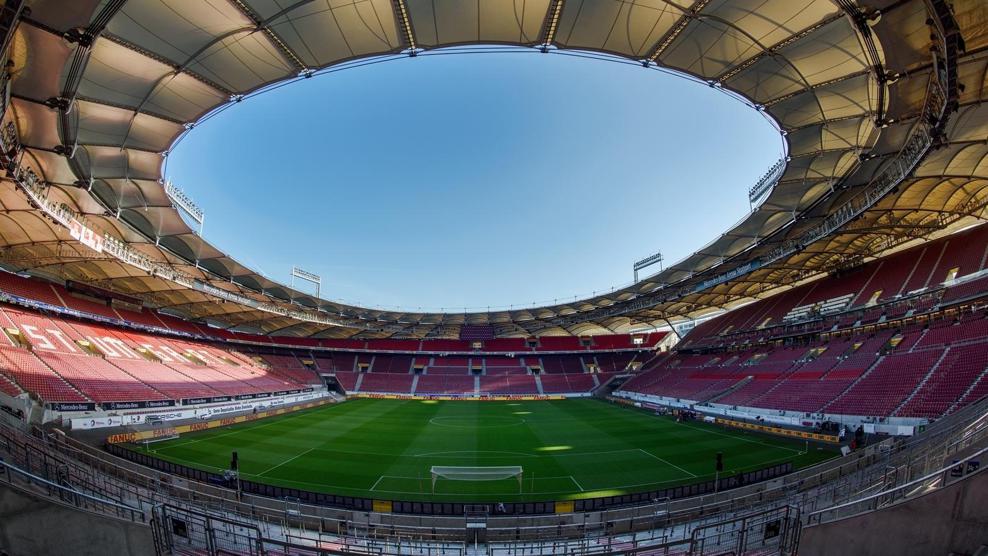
(157, 435)
(163, 438)
(456, 473)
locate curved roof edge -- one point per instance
(822, 191)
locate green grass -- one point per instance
(568, 449)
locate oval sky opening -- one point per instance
(462, 182)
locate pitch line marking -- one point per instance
(211, 437)
(284, 462)
(345, 451)
(646, 452)
(539, 478)
(437, 421)
(469, 453)
(235, 431)
(743, 438)
(605, 452)
(376, 483)
(351, 489)
(345, 488)
(198, 465)
(577, 483)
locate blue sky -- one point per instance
(468, 181)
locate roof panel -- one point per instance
(970, 124)
(242, 62)
(184, 98)
(709, 47)
(62, 15)
(120, 75)
(177, 29)
(768, 22)
(834, 52)
(151, 133)
(905, 26)
(267, 10)
(114, 162)
(800, 59)
(514, 21)
(101, 124)
(161, 220)
(972, 18)
(821, 166)
(727, 33)
(841, 99)
(842, 134)
(768, 78)
(909, 95)
(54, 168)
(956, 160)
(76, 198)
(140, 193)
(323, 32)
(629, 28)
(439, 22)
(974, 75)
(38, 58)
(38, 124)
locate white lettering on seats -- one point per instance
(107, 350)
(60, 336)
(164, 358)
(122, 347)
(174, 354)
(40, 340)
(206, 356)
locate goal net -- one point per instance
(159, 435)
(476, 474)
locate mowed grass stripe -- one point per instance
(363, 470)
(621, 432)
(568, 449)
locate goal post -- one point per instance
(157, 435)
(453, 473)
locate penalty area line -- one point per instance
(693, 475)
(289, 460)
(743, 438)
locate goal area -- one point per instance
(452, 473)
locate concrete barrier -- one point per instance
(946, 521)
(34, 526)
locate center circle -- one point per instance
(489, 422)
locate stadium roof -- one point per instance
(881, 104)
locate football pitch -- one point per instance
(567, 449)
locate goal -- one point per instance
(159, 435)
(476, 474)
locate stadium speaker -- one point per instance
(720, 461)
(233, 461)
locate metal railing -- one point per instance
(100, 478)
(65, 494)
(177, 528)
(943, 477)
